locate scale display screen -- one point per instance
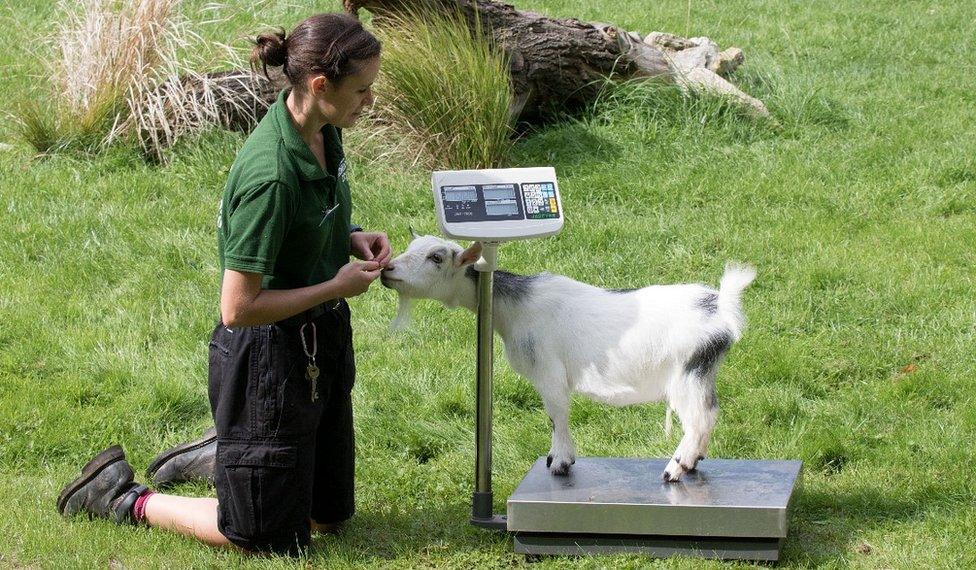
(461, 194)
(482, 202)
(502, 208)
(499, 192)
(497, 204)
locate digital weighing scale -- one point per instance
(728, 509)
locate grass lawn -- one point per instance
(859, 213)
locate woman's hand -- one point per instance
(354, 278)
(371, 246)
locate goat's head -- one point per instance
(431, 268)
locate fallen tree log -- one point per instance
(561, 65)
(558, 66)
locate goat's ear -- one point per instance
(413, 234)
(469, 255)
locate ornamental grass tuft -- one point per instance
(444, 91)
(117, 69)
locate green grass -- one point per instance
(859, 213)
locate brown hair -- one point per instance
(334, 45)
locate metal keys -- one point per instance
(312, 373)
(312, 370)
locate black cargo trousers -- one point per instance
(282, 458)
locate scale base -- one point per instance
(763, 550)
(495, 522)
(726, 509)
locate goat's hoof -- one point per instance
(558, 464)
(674, 471)
(669, 477)
(560, 470)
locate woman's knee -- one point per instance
(264, 495)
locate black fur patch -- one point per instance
(708, 303)
(708, 354)
(509, 286)
(711, 400)
(526, 345)
(512, 286)
(621, 290)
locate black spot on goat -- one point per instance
(526, 346)
(708, 354)
(708, 303)
(508, 286)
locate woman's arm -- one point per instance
(244, 303)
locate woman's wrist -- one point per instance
(330, 290)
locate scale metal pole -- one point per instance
(481, 501)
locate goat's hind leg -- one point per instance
(692, 396)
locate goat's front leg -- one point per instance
(562, 454)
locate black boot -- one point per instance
(192, 461)
(105, 489)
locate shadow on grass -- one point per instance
(373, 536)
(568, 145)
(830, 526)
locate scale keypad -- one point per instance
(540, 200)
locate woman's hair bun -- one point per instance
(270, 49)
(333, 44)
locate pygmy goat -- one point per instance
(661, 342)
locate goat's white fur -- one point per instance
(661, 342)
(403, 317)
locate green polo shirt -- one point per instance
(281, 215)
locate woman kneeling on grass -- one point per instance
(281, 359)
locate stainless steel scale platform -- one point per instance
(728, 509)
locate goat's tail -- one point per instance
(734, 281)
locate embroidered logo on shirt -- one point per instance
(342, 170)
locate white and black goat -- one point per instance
(662, 342)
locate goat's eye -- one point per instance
(435, 257)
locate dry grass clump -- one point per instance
(114, 69)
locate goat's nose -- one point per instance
(389, 267)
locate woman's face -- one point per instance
(342, 104)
